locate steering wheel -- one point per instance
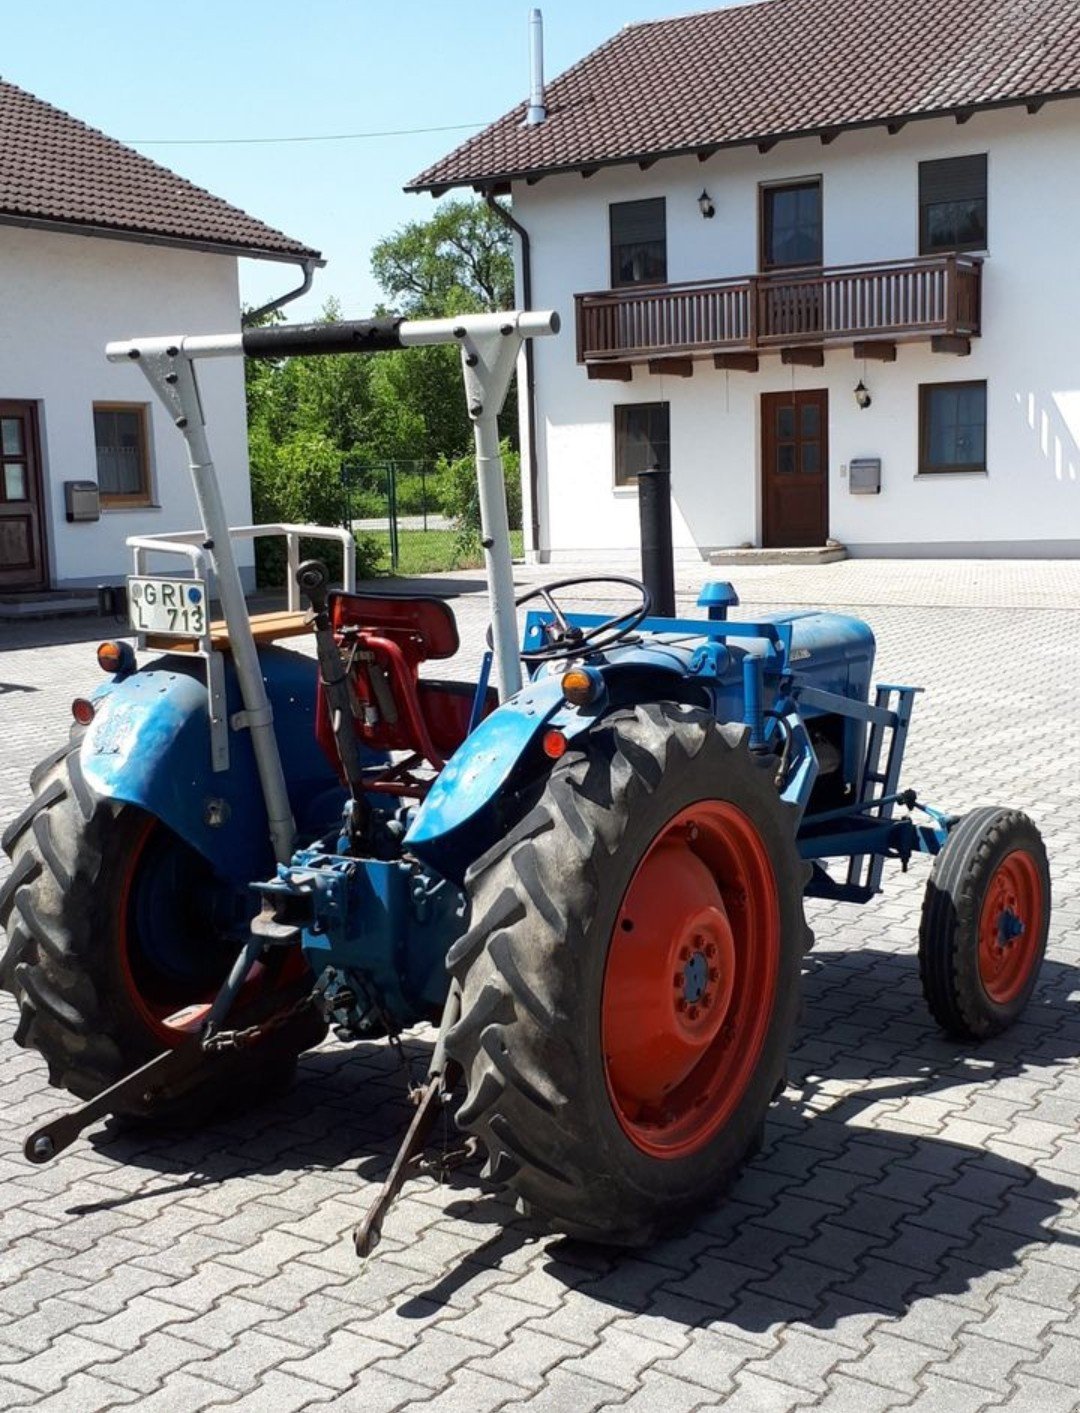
(568, 639)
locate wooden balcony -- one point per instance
(795, 313)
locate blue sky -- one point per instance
(240, 69)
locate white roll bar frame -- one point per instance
(489, 346)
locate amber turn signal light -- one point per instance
(579, 687)
(116, 657)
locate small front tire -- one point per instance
(985, 919)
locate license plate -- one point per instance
(176, 607)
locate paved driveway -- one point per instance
(908, 1237)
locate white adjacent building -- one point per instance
(98, 243)
(817, 258)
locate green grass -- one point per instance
(434, 551)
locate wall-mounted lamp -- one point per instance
(706, 205)
(862, 395)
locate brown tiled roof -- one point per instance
(55, 169)
(779, 68)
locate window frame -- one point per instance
(960, 247)
(766, 190)
(127, 500)
(620, 409)
(616, 282)
(926, 391)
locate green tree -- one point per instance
(458, 262)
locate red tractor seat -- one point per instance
(384, 640)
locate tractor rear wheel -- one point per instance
(630, 978)
(985, 919)
(117, 937)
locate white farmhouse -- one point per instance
(818, 258)
(97, 243)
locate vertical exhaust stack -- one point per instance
(537, 110)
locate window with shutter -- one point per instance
(952, 204)
(638, 242)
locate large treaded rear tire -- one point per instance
(532, 969)
(61, 910)
(973, 987)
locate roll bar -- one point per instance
(489, 345)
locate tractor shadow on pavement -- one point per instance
(859, 1205)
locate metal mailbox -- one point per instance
(864, 476)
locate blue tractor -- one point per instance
(588, 873)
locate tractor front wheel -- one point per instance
(984, 924)
(630, 978)
(118, 935)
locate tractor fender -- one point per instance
(450, 828)
(149, 745)
(459, 818)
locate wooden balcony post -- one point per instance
(952, 295)
(752, 311)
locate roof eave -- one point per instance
(302, 254)
(704, 150)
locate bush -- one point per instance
(459, 496)
(299, 481)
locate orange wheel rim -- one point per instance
(1010, 927)
(172, 1012)
(690, 979)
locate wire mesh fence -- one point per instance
(424, 517)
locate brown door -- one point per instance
(795, 468)
(22, 542)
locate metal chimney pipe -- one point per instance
(537, 111)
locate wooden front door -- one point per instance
(795, 468)
(22, 541)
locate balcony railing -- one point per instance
(899, 299)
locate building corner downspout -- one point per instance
(530, 376)
(309, 267)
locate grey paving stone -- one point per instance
(848, 1395)
(49, 1370)
(340, 1361)
(711, 1359)
(1016, 1322)
(618, 1359)
(284, 1393)
(243, 1363)
(182, 1392)
(434, 1356)
(941, 1395)
(1035, 1395)
(79, 1393)
(129, 1327)
(660, 1393)
(150, 1362)
(563, 1391)
(892, 1362)
(470, 1390)
(525, 1359)
(802, 1359)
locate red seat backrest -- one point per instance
(424, 629)
(393, 637)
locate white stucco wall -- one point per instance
(62, 298)
(1029, 500)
